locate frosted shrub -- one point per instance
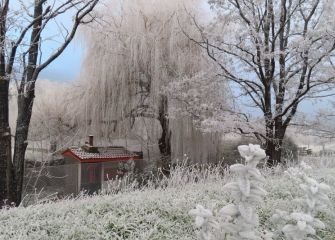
(205, 219)
(303, 223)
(237, 220)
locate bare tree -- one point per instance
(21, 34)
(278, 54)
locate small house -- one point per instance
(96, 165)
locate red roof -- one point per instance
(102, 154)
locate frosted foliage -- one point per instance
(137, 49)
(238, 220)
(127, 63)
(303, 223)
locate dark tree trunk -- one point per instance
(165, 140)
(25, 103)
(11, 181)
(274, 144)
(5, 132)
(273, 151)
(5, 145)
(21, 143)
(53, 146)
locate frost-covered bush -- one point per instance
(238, 220)
(303, 223)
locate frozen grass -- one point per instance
(159, 211)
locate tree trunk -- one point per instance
(164, 142)
(274, 145)
(274, 153)
(5, 146)
(25, 104)
(5, 133)
(53, 146)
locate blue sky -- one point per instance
(67, 66)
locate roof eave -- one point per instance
(69, 153)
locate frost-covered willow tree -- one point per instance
(132, 53)
(276, 54)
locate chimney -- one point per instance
(89, 145)
(90, 140)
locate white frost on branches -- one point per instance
(207, 100)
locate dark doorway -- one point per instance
(91, 177)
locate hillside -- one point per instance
(151, 213)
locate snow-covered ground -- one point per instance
(154, 213)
